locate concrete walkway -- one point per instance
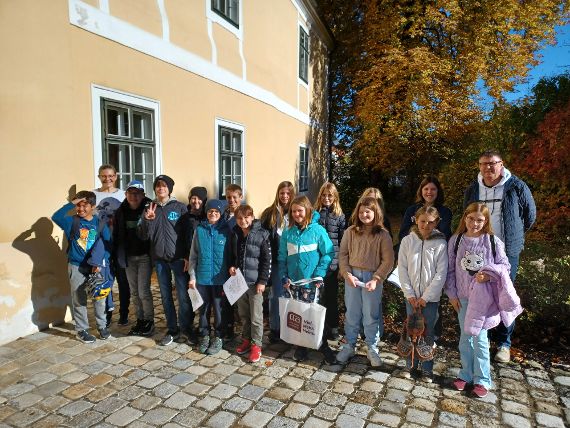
(51, 379)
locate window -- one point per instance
(303, 55)
(228, 9)
(303, 169)
(230, 167)
(129, 142)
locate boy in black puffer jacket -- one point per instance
(251, 253)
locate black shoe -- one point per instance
(193, 338)
(104, 333)
(274, 336)
(301, 354)
(330, 357)
(334, 335)
(137, 328)
(123, 319)
(147, 328)
(229, 333)
(109, 318)
(85, 337)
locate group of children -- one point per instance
(202, 244)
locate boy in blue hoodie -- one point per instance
(89, 242)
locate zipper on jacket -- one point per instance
(421, 269)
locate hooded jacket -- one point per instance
(491, 302)
(306, 253)
(422, 265)
(444, 225)
(255, 261)
(518, 210)
(210, 253)
(166, 232)
(335, 226)
(121, 226)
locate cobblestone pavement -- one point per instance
(51, 379)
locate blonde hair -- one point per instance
(336, 208)
(479, 208)
(304, 202)
(371, 203)
(427, 211)
(269, 215)
(374, 192)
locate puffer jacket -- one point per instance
(335, 226)
(210, 253)
(518, 211)
(166, 232)
(255, 262)
(120, 233)
(305, 253)
(422, 265)
(492, 301)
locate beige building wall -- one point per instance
(47, 124)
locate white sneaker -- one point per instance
(503, 355)
(345, 354)
(375, 360)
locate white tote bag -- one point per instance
(302, 323)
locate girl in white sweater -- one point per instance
(422, 267)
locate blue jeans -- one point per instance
(502, 334)
(430, 314)
(363, 306)
(474, 353)
(275, 293)
(164, 271)
(212, 297)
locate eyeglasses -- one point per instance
(489, 164)
(107, 176)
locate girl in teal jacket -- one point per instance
(305, 251)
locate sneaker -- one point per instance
(123, 319)
(147, 328)
(244, 347)
(181, 338)
(274, 336)
(229, 333)
(330, 357)
(334, 335)
(480, 391)
(192, 338)
(109, 318)
(406, 372)
(215, 346)
(427, 377)
(459, 384)
(503, 355)
(254, 353)
(203, 344)
(345, 354)
(374, 357)
(301, 354)
(104, 333)
(85, 337)
(166, 340)
(137, 328)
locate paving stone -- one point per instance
(540, 374)
(419, 417)
(562, 380)
(110, 405)
(99, 379)
(540, 384)
(25, 400)
(399, 383)
(51, 421)
(423, 404)
(41, 378)
(307, 397)
(360, 411)
(223, 391)
(237, 405)
(515, 421)
(269, 405)
(252, 392)
(221, 420)
(190, 417)
(100, 394)
(131, 392)
(159, 415)
(349, 421)
(385, 419)
(390, 406)
(165, 390)
(146, 402)
(453, 406)
(182, 379)
(17, 389)
(75, 407)
(516, 408)
(179, 400)
(74, 377)
(196, 388)
(324, 376)
(292, 382)
(371, 386)
(396, 395)
(378, 376)
(51, 404)
(343, 388)
(211, 378)
(209, 403)
(238, 379)
(542, 395)
(264, 381)
(549, 408)
(484, 409)
(255, 419)
(276, 372)
(124, 416)
(313, 422)
(549, 420)
(150, 382)
(326, 412)
(26, 417)
(510, 373)
(297, 411)
(451, 419)
(281, 422)
(281, 394)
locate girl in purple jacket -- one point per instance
(472, 251)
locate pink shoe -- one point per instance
(459, 384)
(480, 391)
(244, 347)
(254, 353)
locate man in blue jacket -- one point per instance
(513, 212)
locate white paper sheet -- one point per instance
(235, 286)
(195, 298)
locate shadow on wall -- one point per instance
(50, 283)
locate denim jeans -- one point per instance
(363, 306)
(164, 271)
(430, 315)
(139, 270)
(275, 293)
(212, 297)
(474, 353)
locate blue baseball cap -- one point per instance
(135, 184)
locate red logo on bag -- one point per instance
(294, 321)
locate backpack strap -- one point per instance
(457, 241)
(493, 246)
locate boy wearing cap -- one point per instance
(133, 255)
(208, 270)
(163, 225)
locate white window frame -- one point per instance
(219, 122)
(303, 191)
(97, 94)
(301, 25)
(218, 19)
